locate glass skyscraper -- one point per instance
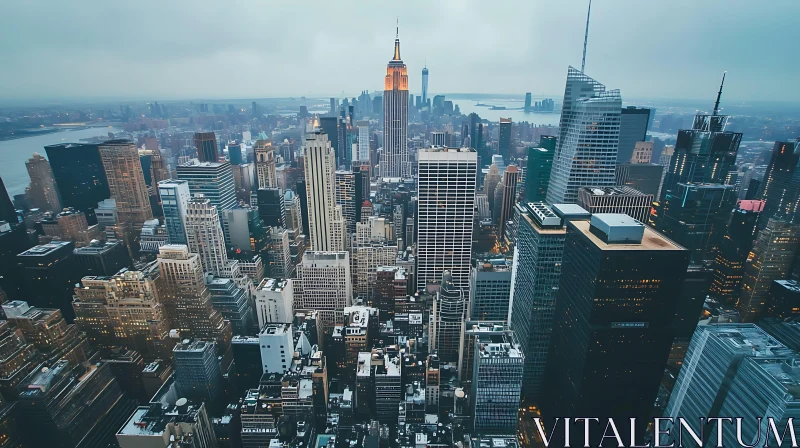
(586, 154)
(174, 197)
(79, 175)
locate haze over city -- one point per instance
(182, 50)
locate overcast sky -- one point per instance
(180, 49)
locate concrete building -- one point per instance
(275, 301)
(126, 182)
(496, 384)
(394, 159)
(490, 290)
(325, 219)
(277, 347)
(324, 284)
(622, 199)
(183, 423)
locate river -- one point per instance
(14, 153)
(514, 111)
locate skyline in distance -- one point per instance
(173, 51)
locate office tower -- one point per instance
(528, 100)
(211, 179)
(781, 189)
(233, 302)
(204, 235)
(47, 275)
(770, 259)
(642, 153)
(783, 300)
(614, 321)
(447, 319)
(509, 198)
(79, 175)
(535, 278)
(359, 332)
(474, 330)
(664, 160)
(17, 359)
(645, 177)
(363, 141)
(8, 212)
(324, 284)
(279, 254)
(184, 295)
(496, 383)
(632, 129)
(694, 216)
(274, 301)
(704, 154)
(504, 139)
(326, 224)
(47, 330)
(394, 160)
(490, 290)
(235, 153)
(124, 310)
(42, 192)
(390, 290)
(425, 85)
(586, 152)
(731, 368)
(345, 189)
(152, 236)
(66, 405)
(367, 258)
(175, 197)
(734, 250)
(437, 139)
(537, 173)
(126, 181)
(270, 207)
(277, 347)
(330, 126)
(447, 183)
(181, 422)
(206, 145)
(197, 373)
(265, 164)
(622, 199)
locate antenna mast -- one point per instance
(719, 94)
(586, 36)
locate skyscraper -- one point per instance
(586, 153)
(504, 139)
(175, 197)
(79, 175)
(197, 373)
(324, 284)
(345, 189)
(185, 297)
(265, 164)
(394, 160)
(614, 321)
(126, 181)
(496, 383)
(446, 208)
(771, 259)
(363, 142)
(490, 290)
(734, 250)
(204, 235)
(509, 198)
(645, 177)
(425, 85)
(704, 154)
(447, 319)
(725, 362)
(535, 278)
(48, 274)
(206, 145)
(694, 216)
(211, 179)
(537, 173)
(632, 129)
(781, 185)
(326, 223)
(42, 192)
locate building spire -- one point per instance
(586, 36)
(397, 42)
(719, 94)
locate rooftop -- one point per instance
(275, 329)
(191, 346)
(749, 339)
(651, 240)
(622, 190)
(272, 284)
(45, 249)
(786, 372)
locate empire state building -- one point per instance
(394, 160)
